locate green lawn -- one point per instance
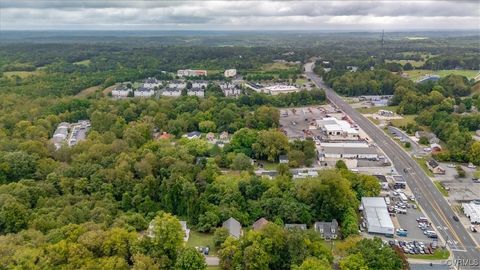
(83, 63)
(198, 239)
(21, 74)
(213, 268)
(419, 73)
(423, 165)
(439, 254)
(441, 188)
(404, 121)
(276, 66)
(403, 62)
(375, 121)
(376, 109)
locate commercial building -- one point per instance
(338, 150)
(191, 73)
(472, 211)
(230, 73)
(376, 216)
(279, 89)
(337, 130)
(434, 167)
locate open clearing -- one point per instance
(198, 239)
(278, 66)
(419, 73)
(83, 63)
(87, 91)
(21, 74)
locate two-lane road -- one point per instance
(465, 251)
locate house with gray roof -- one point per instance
(196, 91)
(328, 230)
(259, 224)
(172, 92)
(233, 226)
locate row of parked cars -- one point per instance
(425, 226)
(414, 247)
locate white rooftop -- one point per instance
(376, 212)
(334, 124)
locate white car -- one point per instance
(471, 166)
(451, 165)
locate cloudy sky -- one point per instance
(238, 15)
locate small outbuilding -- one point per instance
(233, 226)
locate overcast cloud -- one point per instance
(238, 15)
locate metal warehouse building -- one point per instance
(376, 216)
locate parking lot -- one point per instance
(298, 123)
(460, 189)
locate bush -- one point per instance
(219, 236)
(460, 171)
(408, 144)
(424, 141)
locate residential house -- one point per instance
(224, 136)
(210, 136)
(143, 91)
(283, 159)
(435, 147)
(121, 91)
(259, 224)
(193, 135)
(233, 226)
(186, 231)
(151, 83)
(164, 136)
(296, 226)
(151, 230)
(172, 92)
(432, 138)
(230, 73)
(177, 84)
(199, 92)
(328, 230)
(434, 167)
(199, 84)
(230, 90)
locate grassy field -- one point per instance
(277, 66)
(83, 63)
(403, 62)
(198, 239)
(439, 254)
(419, 73)
(441, 188)
(404, 121)
(376, 109)
(213, 268)
(21, 74)
(87, 91)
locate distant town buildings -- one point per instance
(230, 90)
(171, 92)
(230, 73)
(70, 134)
(143, 91)
(121, 91)
(195, 91)
(191, 73)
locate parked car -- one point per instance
(451, 165)
(455, 218)
(471, 166)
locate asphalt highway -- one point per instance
(466, 253)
